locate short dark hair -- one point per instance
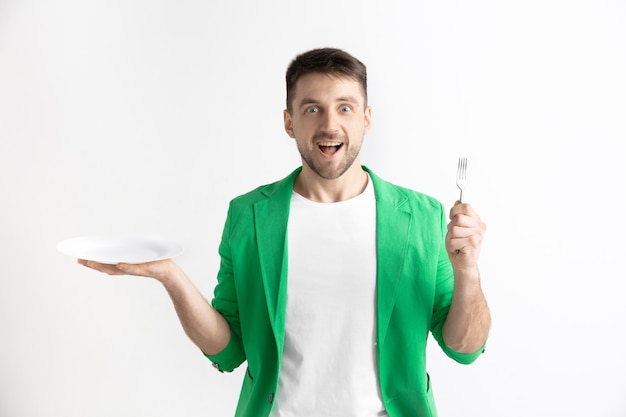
(330, 61)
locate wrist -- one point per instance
(168, 273)
(466, 274)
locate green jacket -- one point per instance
(414, 292)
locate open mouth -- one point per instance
(330, 148)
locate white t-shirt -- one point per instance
(329, 365)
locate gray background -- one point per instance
(141, 116)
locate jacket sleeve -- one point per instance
(443, 299)
(226, 303)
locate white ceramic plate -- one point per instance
(115, 249)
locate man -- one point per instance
(331, 278)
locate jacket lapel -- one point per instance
(393, 221)
(271, 216)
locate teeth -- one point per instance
(330, 144)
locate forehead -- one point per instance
(326, 87)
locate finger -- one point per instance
(100, 267)
(456, 233)
(462, 208)
(456, 209)
(463, 221)
(465, 244)
(462, 224)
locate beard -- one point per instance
(330, 170)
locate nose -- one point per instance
(330, 122)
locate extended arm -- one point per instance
(467, 326)
(202, 323)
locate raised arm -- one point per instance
(467, 326)
(202, 323)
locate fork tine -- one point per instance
(463, 168)
(461, 176)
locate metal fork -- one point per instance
(461, 176)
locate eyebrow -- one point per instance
(308, 100)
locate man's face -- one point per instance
(328, 120)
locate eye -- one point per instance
(345, 108)
(312, 109)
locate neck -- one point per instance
(315, 188)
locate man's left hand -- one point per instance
(464, 237)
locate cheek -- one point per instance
(359, 128)
(304, 128)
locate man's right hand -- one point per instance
(160, 270)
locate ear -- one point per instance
(368, 118)
(288, 123)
